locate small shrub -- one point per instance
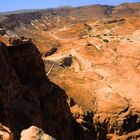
(67, 61)
(51, 52)
(105, 35)
(105, 40)
(89, 44)
(98, 36)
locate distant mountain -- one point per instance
(19, 11)
(15, 18)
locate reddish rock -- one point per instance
(102, 75)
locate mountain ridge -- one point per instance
(20, 11)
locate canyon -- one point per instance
(71, 73)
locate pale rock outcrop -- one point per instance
(5, 133)
(35, 133)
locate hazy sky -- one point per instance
(10, 5)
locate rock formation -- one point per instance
(35, 133)
(94, 57)
(5, 133)
(28, 97)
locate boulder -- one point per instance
(35, 133)
(5, 133)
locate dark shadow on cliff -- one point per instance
(66, 127)
(50, 112)
(29, 98)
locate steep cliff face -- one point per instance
(26, 61)
(27, 97)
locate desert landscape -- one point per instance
(70, 73)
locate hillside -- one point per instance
(92, 55)
(80, 13)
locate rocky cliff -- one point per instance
(97, 63)
(28, 97)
